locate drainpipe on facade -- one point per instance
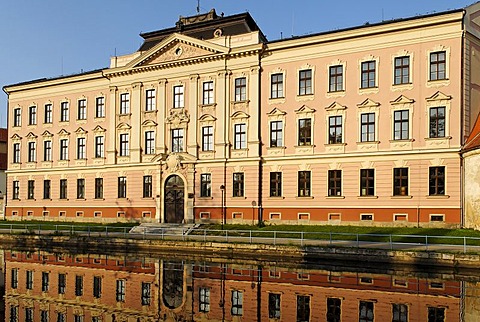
(462, 128)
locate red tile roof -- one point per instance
(473, 140)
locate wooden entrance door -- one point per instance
(174, 200)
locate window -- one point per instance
(99, 147)
(63, 188)
(207, 138)
(399, 312)
(240, 89)
(47, 150)
(44, 316)
(64, 112)
(178, 98)
(81, 188)
(205, 185)
(82, 110)
(335, 129)
(32, 151)
(32, 115)
(303, 308)
(436, 181)
(436, 314)
(29, 280)
(124, 145)
(16, 190)
(48, 111)
(46, 189)
(367, 127)
(437, 122)
(177, 140)
(100, 107)
(16, 153)
(304, 183)
(275, 184)
(367, 182)
(305, 131)
(402, 70)
(17, 117)
(240, 136)
(61, 317)
(97, 287)
(62, 283)
(120, 291)
(63, 149)
(334, 312)
(77, 318)
(400, 181)
(276, 86)
(14, 278)
(368, 74)
(204, 293)
(28, 314)
(31, 189)
(78, 285)
(122, 187)
(81, 149)
(98, 188)
(150, 100)
(124, 103)
(305, 82)
(334, 183)
(336, 78)
(365, 312)
(146, 293)
(238, 184)
(147, 186)
(438, 65)
(276, 134)
(400, 125)
(237, 302)
(208, 93)
(150, 142)
(273, 306)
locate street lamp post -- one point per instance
(222, 189)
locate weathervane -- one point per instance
(198, 6)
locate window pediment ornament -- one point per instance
(335, 106)
(304, 109)
(47, 134)
(207, 118)
(80, 130)
(276, 112)
(98, 129)
(240, 115)
(16, 137)
(30, 135)
(368, 103)
(149, 123)
(402, 99)
(306, 66)
(63, 132)
(439, 96)
(123, 126)
(177, 117)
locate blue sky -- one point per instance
(49, 38)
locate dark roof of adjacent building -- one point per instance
(204, 26)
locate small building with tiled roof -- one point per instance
(471, 162)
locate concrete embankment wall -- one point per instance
(277, 253)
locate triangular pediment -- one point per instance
(63, 132)
(276, 112)
(304, 109)
(439, 96)
(15, 137)
(402, 99)
(368, 103)
(177, 48)
(46, 133)
(240, 115)
(123, 126)
(31, 136)
(80, 130)
(335, 106)
(98, 129)
(207, 118)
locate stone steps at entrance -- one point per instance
(163, 229)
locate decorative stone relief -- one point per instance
(177, 116)
(173, 163)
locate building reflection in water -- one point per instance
(42, 286)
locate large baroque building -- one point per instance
(210, 121)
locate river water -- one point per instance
(47, 285)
